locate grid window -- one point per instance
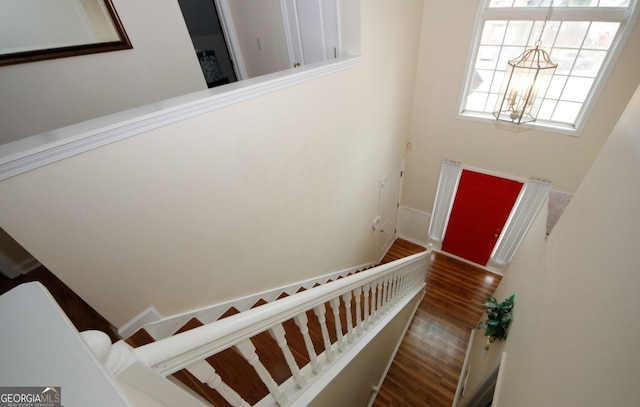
(580, 36)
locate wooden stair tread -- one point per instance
(142, 337)
(229, 312)
(234, 370)
(139, 338)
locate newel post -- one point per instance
(115, 358)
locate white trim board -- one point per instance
(464, 372)
(11, 269)
(413, 225)
(37, 151)
(148, 316)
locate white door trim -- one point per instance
(231, 38)
(386, 244)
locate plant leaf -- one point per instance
(506, 318)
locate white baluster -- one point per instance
(407, 280)
(347, 304)
(367, 314)
(394, 291)
(385, 292)
(378, 297)
(278, 334)
(403, 282)
(396, 285)
(207, 375)
(320, 313)
(248, 351)
(301, 321)
(335, 306)
(412, 278)
(357, 292)
(391, 288)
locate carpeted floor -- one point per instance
(558, 202)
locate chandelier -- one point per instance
(525, 83)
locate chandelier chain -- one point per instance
(544, 23)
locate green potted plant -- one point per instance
(498, 318)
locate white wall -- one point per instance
(261, 20)
(250, 197)
(574, 338)
(437, 135)
(43, 96)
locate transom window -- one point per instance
(581, 36)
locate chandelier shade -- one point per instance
(524, 86)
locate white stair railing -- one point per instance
(378, 294)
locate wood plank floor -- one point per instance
(400, 249)
(427, 366)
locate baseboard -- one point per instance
(28, 265)
(147, 316)
(464, 373)
(10, 269)
(413, 225)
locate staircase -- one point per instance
(277, 353)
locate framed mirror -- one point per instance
(35, 30)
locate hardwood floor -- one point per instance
(427, 366)
(401, 248)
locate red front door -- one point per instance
(480, 210)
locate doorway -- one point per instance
(390, 189)
(480, 210)
(311, 29)
(242, 39)
(209, 42)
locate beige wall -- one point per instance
(525, 278)
(437, 135)
(43, 96)
(574, 337)
(254, 196)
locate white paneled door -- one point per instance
(390, 188)
(311, 28)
